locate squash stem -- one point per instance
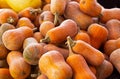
(45, 40)
(69, 43)
(10, 20)
(56, 19)
(36, 11)
(35, 29)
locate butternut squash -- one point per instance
(92, 56)
(59, 34)
(18, 68)
(115, 58)
(79, 65)
(113, 27)
(53, 65)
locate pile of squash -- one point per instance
(62, 39)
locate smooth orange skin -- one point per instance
(108, 14)
(23, 21)
(56, 68)
(80, 67)
(113, 27)
(18, 68)
(91, 55)
(59, 34)
(98, 34)
(45, 27)
(46, 16)
(104, 70)
(90, 7)
(5, 74)
(6, 15)
(73, 12)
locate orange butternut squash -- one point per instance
(108, 14)
(8, 16)
(98, 34)
(90, 7)
(3, 50)
(113, 27)
(111, 45)
(53, 65)
(29, 12)
(13, 39)
(79, 65)
(115, 58)
(92, 56)
(73, 12)
(59, 34)
(18, 68)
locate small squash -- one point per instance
(111, 45)
(79, 65)
(98, 34)
(53, 65)
(8, 16)
(73, 12)
(32, 51)
(29, 12)
(108, 14)
(59, 34)
(113, 27)
(3, 50)
(13, 39)
(115, 58)
(18, 68)
(92, 56)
